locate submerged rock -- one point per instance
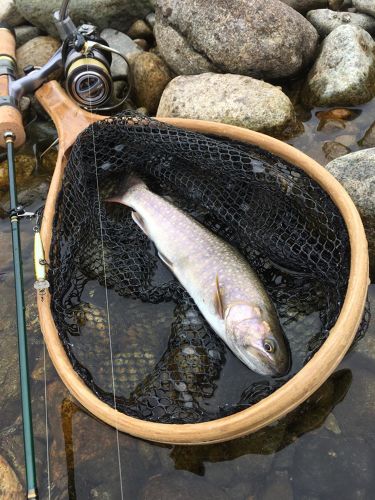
(150, 77)
(10, 487)
(333, 467)
(368, 140)
(181, 487)
(119, 14)
(232, 99)
(249, 37)
(333, 150)
(36, 52)
(367, 6)
(356, 172)
(279, 487)
(25, 33)
(344, 73)
(9, 13)
(325, 21)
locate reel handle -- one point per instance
(10, 116)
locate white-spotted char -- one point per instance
(227, 291)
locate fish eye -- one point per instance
(269, 345)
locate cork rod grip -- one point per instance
(10, 116)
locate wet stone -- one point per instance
(25, 33)
(333, 150)
(343, 74)
(368, 140)
(367, 6)
(140, 29)
(9, 13)
(150, 77)
(119, 14)
(326, 20)
(36, 52)
(356, 172)
(232, 99)
(10, 486)
(249, 37)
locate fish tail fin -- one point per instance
(132, 184)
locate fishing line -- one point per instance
(106, 293)
(46, 421)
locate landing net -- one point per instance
(168, 365)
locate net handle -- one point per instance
(290, 395)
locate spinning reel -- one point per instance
(87, 60)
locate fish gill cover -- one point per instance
(283, 223)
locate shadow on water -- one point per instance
(324, 449)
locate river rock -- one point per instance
(249, 37)
(36, 52)
(150, 77)
(123, 44)
(9, 13)
(367, 6)
(332, 467)
(306, 5)
(232, 99)
(119, 14)
(356, 172)
(25, 33)
(140, 29)
(368, 140)
(333, 150)
(181, 486)
(326, 20)
(10, 487)
(344, 73)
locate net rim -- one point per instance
(284, 399)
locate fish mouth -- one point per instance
(260, 363)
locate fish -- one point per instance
(225, 288)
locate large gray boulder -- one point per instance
(326, 20)
(9, 13)
(344, 73)
(248, 37)
(232, 99)
(367, 6)
(118, 14)
(356, 172)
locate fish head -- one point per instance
(257, 339)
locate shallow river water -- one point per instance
(323, 450)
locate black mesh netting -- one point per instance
(163, 362)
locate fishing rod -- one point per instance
(13, 135)
(84, 61)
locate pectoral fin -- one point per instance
(166, 261)
(218, 300)
(139, 221)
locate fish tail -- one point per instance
(132, 185)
